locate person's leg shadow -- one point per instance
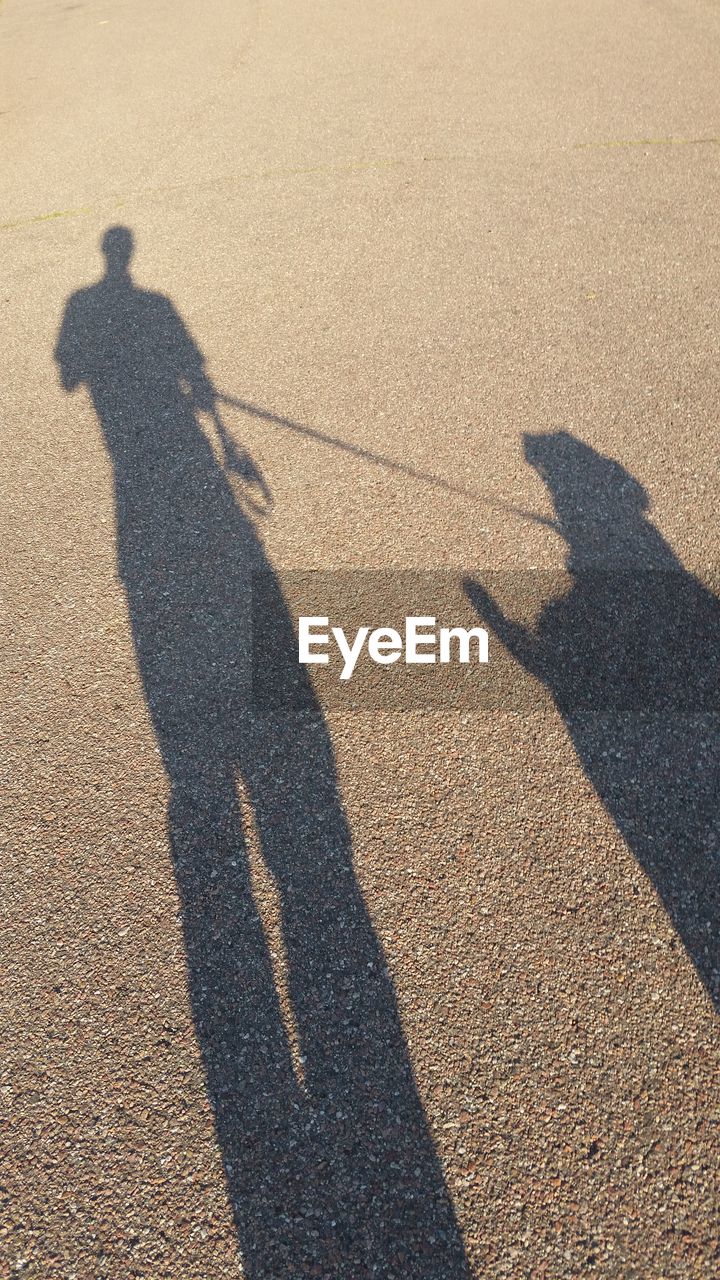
(331, 1171)
(631, 655)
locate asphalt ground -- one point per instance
(372, 991)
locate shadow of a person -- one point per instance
(334, 1173)
(630, 655)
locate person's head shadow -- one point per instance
(629, 651)
(330, 1164)
(118, 245)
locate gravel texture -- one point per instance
(414, 995)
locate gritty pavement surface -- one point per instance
(371, 992)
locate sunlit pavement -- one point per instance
(353, 993)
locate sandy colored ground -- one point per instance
(366, 994)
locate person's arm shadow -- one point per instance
(69, 348)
